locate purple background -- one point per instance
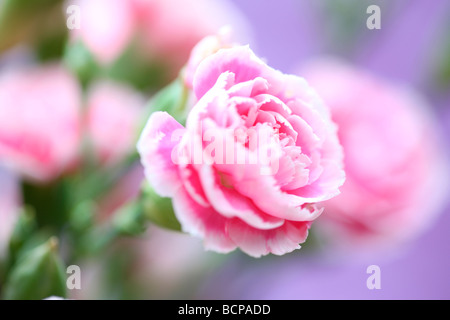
(409, 48)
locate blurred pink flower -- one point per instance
(261, 207)
(165, 30)
(113, 120)
(394, 164)
(39, 121)
(107, 27)
(171, 28)
(9, 207)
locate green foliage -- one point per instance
(129, 68)
(173, 99)
(35, 22)
(37, 274)
(159, 210)
(130, 219)
(78, 58)
(50, 202)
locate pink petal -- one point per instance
(249, 88)
(239, 60)
(286, 171)
(212, 105)
(268, 102)
(192, 185)
(267, 196)
(155, 147)
(279, 241)
(231, 204)
(292, 87)
(306, 138)
(202, 222)
(326, 186)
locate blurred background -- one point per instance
(126, 51)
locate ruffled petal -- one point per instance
(267, 195)
(279, 241)
(228, 202)
(202, 222)
(239, 60)
(156, 146)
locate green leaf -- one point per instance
(159, 210)
(38, 274)
(173, 99)
(82, 217)
(130, 219)
(50, 202)
(81, 62)
(23, 231)
(138, 70)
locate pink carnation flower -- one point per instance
(113, 118)
(39, 121)
(394, 165)
(107, 27)
(164, 30)
(258, 152)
